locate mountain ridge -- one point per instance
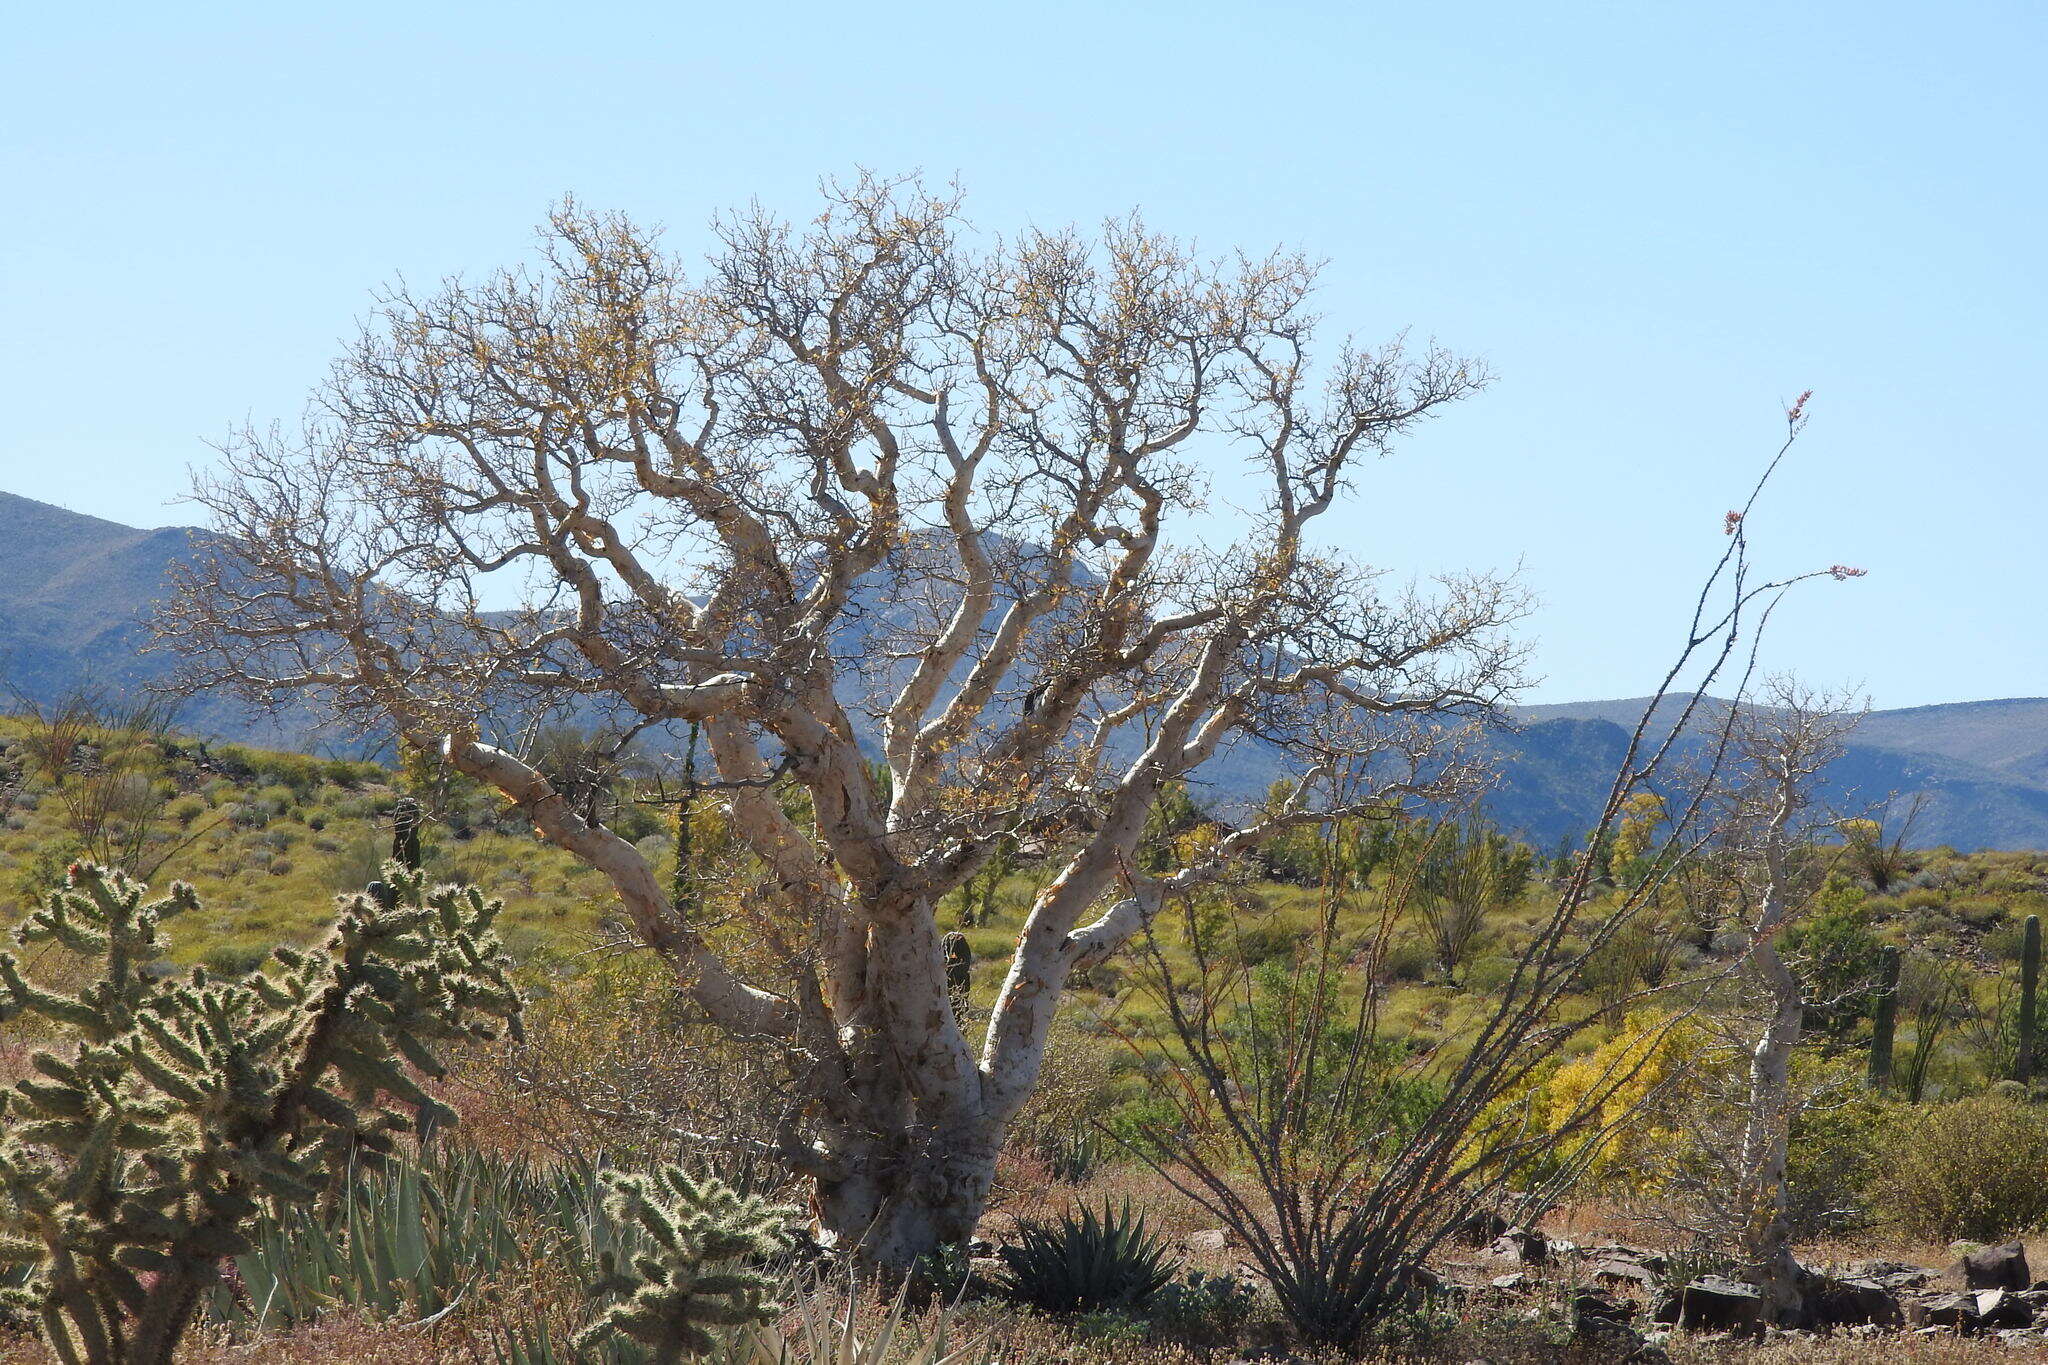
(78, 588)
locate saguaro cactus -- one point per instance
(1885, 1018)
(130, 1169)
(405, 833)
(959, 966)
(2030, 979)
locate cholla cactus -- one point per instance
(691, 1278)
(130, 1169)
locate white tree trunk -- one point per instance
(907, 1194)
(1767, 1231)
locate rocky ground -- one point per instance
(1625, 1298)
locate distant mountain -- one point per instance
(75, 592)
(1978, 770)
(75, 598)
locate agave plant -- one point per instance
(1071, 1154)
(403, 1240)
(1088, 1263)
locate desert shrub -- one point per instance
(1082, 1080)
(1838, 1135)
(1489, 974)
(1971, 1168)
(1204, 1307)
(1087, 1264)
(365, 806)
(1463, 873)
(1979, 912)
(1838, 956)
(356, 862)
(1637, 1084)
(612, 1060)
(2006, 941)
(233, 959)
(1881, 861)
(1267, 941)
(1408, 959)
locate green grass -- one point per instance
(269, 839)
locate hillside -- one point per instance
(74, 601)
(1979, 770)
(79, 588)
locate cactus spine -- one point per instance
(131, 1168)
(2030, 980)
(693, 1279)
(1885, 1018)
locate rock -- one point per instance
(1615, 1340)
(1999, 1267)
(1586, 1304)
(1624, 1272)
(1832, 1302)
(1208, 1239)
(1664, 1308)
(1621, 1251)
(1511, 1283)
(1890, 1274)
(1521, 1246)
(1478, 1229)
(2003, 1308)
(1420, 1279)
(1716, 1303)
(1943, 1312)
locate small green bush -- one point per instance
(1969, 1169)
(1204, 1307)
(1838, 1138)
(1979, 912)
(1408, 959)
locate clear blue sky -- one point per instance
(1659, 222)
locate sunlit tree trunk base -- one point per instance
(905, 1200)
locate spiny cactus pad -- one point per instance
(694, 1279)
(131, 1166)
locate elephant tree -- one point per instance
(863, 481)
(1780, 748)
